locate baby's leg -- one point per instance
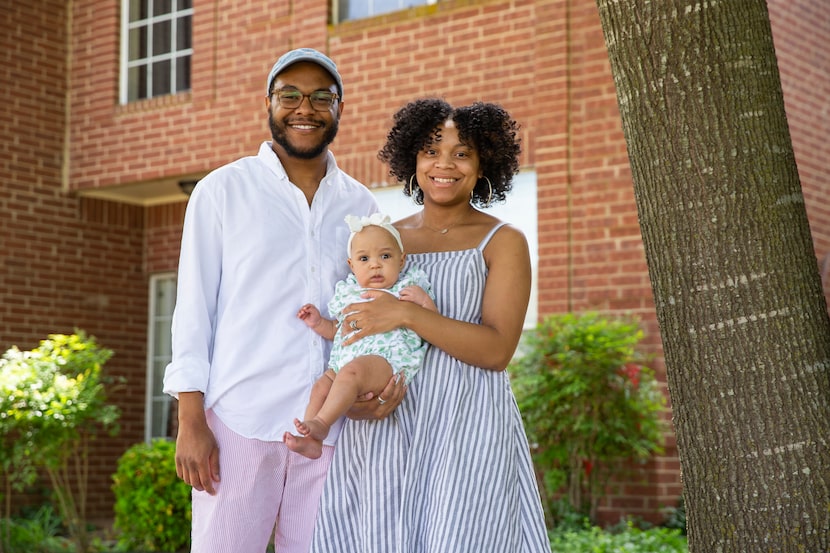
(304, 444)
(368, 373)
(319, 392)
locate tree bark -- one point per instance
(743, 319)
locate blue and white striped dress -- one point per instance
(449, 471)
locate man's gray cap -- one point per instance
(304, 54)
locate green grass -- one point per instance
(39, 534)
(592, 539)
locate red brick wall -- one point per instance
(544, 60)
(598, 235)
(800, 29)
(65, 263)
(163, 237)
(222, 118)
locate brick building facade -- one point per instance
(91, 211)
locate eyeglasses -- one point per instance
(321, 100)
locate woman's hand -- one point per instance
(371, 407)
(382, 313)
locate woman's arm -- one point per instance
(489, 345)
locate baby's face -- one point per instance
(376, 260)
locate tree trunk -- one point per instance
(744, 324)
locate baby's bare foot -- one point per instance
(317, 428)
(305, 446)
(302, 427)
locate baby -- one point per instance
(376, 258)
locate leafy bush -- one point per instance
(589, 404)
(52, 402)
(676, 516)
(593, 539)
(35, 534)
(152, 505)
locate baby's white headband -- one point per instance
(356, 224)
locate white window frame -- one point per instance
(174, 55)
(153, 357)
(402, 5)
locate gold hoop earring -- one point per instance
(410, 183)
(490, 192)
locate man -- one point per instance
(262, 236)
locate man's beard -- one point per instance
(280, 137)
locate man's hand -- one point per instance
(197, 455)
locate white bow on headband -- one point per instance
(356, 224)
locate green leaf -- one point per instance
(586, 394)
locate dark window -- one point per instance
(158, 48)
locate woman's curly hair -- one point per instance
(486, 127)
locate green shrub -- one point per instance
(152, 505)
(593, 539)
(676, 516)
(21, 536)
(37, 533)
(589, 403)
(52, 403)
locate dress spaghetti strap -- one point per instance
(490, 234)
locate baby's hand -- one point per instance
(310, 315)
(416, 294)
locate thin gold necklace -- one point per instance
(447, 228)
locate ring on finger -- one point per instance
(353, 325)
(381, 400)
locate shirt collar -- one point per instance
(272, 161)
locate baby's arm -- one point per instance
(310, 315)
(416, 294)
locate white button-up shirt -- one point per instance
(252, 254)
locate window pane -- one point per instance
(160, 418)
(138, 10)
(165, 298)
(161, 345)
(354, 9)
(357, 9)
(185, 4)
(158, 379)
(183, 33)
(137, 87)
(161, 7)
(182, 73)
(138, 43)
(161, 78)
(161, 38)
(386, 6)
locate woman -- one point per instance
(449, 470)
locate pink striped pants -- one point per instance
(263, 484)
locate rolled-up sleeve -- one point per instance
(199, 275)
